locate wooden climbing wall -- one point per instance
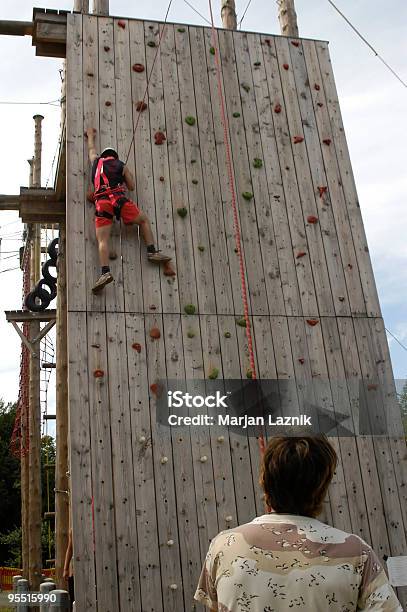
(142, 524)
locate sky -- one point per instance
(373, 105)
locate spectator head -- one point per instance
(296, 472)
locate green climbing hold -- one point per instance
(249, 373)
(182, 212)
(257, 63)
(236, 115)
(247, 195)
(193, 161)
(246, 87)
(191, 334)
(257, 162)
(190, 309)
(227, 334)
(212, 51)
(151, 43)
(190, 120)
(181, 30)
(241, 322)
(214, 373)
(201, 248)
(194, 182)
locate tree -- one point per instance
(403, 406)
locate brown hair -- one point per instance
(296, 472)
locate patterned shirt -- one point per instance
(283, 563)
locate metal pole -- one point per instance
(228, 14)
(31, 177)
(287, 18)
(61, 601)
(101, 7)
(37, 150)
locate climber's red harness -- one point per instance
(103, 191)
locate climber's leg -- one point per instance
(102, 236)
(132, 215)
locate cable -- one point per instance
(9, 269)
(368, 43)
(396, 339)
(197, 12)
(149, 76)
(244, 13)
(14, 103)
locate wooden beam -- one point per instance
(228, 14)
(101, 7)
(16, 28)
(287, 18)
(49, 33)
(25, 315)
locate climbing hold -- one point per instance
(90, 74)
(191, 334)
(227, 334)
(155, 333)
(247, 195)
(317, 87)
(155, 388)
(327, 141)
(168, 269)
(229, 518)
(201, 248)
(121, 24)
(153, 307)
(257, 162)
(320, 104)
(173, 587)
(286, 66)
(257, 64)
(322, 190)
(267, 42)
(350, 266)
(194, 182)
(164, 460)
(214, 373)
(236, 250)
(298, 139)
(212, 50)
(295, 43)
(98, 373)
(236, 115)
(151, 43)
(190, 309)
(159, 138)
(193, 161)
(312, 219)
(162, 179)
(301, 360)
(203, 459)
(312, 322)
(170, 542)
(138, 68)
(246, 87)
(277, 108)
(241, 322)
(221, 439)
(300, 254)
(182, 212)
(95, 345)
(106, 48)
(249, 373)
(136, 346)
(108, 103)
(341, 298)
(181, 30)
(190, 120)
(141, 106)
(372, 387)
(142, 439)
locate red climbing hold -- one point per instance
(312, 322)
(138, 68)
(300, 254)
(322, 190)
(295, 43)
(155, 388)
(301, 360)
(98, 373)
(153, 307)
(317, 87)
(141, 106)
(155, 333)
(159, 138)
(121, 24)
(372, 387)
(320, 104)
(136, 346)
(106, 48)
(298, 139)
(108, 103)
(350, 266)
(268, 42)
(286, 66)
(277, 108)
(312, 219)
(327, 141)
(162, 179)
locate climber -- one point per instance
(110, 177)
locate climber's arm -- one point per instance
(128, 179)
(90, 133)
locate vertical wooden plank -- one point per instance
(262, 200)
(318, 153)
(101, 448)
(108, 107)
(290, 186)
(218, 246)
(278, 206)
(143, 466)
(122, 460)
(315, 249)
(348, 182)
(76, 259)
(80, 463)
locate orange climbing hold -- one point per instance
(286, 66)
(159, 138)
(138, 68)
(155, 333)
(372, 387)
(300, 254)
(322, 190)
(121, 24)
(277, 108)
(155, 388)
(98, 373)
(298, 139)
(136, 346)
(327, 141)
(141, 106)
(312, 322)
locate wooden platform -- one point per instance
(142, 525)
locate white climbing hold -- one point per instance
(173, 587)
(221, 438)
(164, 460)
(229, 518)
(204, 458)
(142, 439)
(170, 543)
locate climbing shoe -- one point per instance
(158, 257)
(102, 281)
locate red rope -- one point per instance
(236, 224)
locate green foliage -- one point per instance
(403, 407)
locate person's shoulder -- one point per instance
(352, 543)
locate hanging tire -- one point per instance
(36, 302)
(52, 249)
(46, 291)
(51, 280)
